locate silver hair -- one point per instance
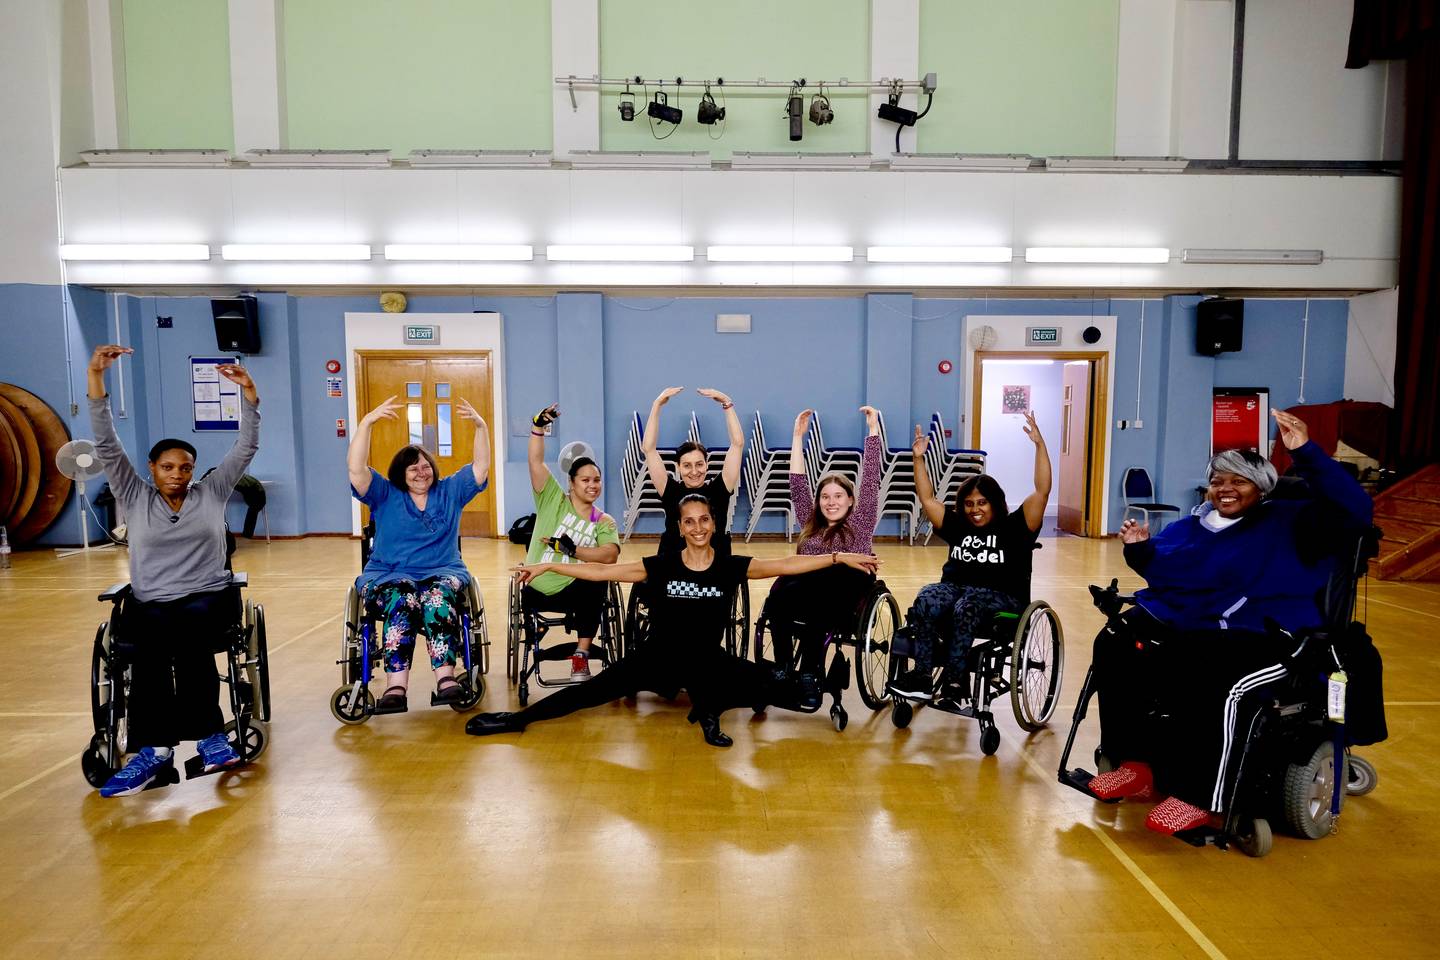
(1248, 464)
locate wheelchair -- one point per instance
(637, 619)
(1020, 654)
(247, 678)
(361, 652)
(528, 627)
(1296, 765)
(871, 633)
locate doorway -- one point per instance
(429, 384)
(1066, 391)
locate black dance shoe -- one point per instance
(710, 727)
(484, 724)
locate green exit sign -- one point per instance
(1042, 336)
(417, 333)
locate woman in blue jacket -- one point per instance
(1212, 581)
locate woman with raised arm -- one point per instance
(182, 596)
(415, 574)
(692, 464)
(988, 570)
(692, 588)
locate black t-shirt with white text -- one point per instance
(713, 490)
(690, 608)
(996, 555)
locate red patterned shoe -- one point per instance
(1173, 815)
(1132, 781)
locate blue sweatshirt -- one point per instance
(1273, 562)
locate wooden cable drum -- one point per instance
(27, 462)
(12, 469)
(54, 487)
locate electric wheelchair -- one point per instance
(247, 677)
(361, 651)
(1296, 765)
(871, 632)
(527, 629)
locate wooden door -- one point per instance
(1074, 448)
(429, 386)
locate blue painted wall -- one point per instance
(605, 357)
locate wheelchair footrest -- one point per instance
(1200, 836)
(1080, 780)
(195, 767)
(167, 777)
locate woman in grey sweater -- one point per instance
(183, 597)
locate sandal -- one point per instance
(454, 693)
(393, 700)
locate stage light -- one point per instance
(627, 105)
(795, 110)
(660, 109)
(708, 112)
(820, 112)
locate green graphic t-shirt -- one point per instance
(555, 517)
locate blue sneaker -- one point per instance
(136, 775)
(216, 752)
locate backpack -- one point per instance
(522, 530)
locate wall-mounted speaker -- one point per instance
(1219, 326)
(237, 324)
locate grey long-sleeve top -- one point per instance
(173, 554)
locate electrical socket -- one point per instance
(1122, 424)
(1137, 424)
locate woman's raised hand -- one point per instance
(1032, 429)
(872, 418)
(860, 561)
(713, 394)
(525, 572)
(667, 394)
(1133, 532)
(235, 373)
(547, 416)
(106, 354)
(389, 409)
(921, 443)
(802, 422)
(463, 407)
(1293, 432)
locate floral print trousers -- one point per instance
(406, 610)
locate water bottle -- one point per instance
(4, 549)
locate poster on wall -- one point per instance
(1015, 399)
(1240, 420)
(215, 400)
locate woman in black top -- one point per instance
(988, 570)
(691, 589)
(693, 461)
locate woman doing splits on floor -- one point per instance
(692, 589)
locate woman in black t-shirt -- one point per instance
(691, 590)
(987, 572)
(692, 462)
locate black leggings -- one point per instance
(583, 600)
(174, 685)
(810, 605)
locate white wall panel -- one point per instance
(1144, 77)
(1203, 56)
(1370, 347)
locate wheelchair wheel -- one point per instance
(1363, 776)
(1037, 665)
(739, 626)
(901, 713)
(1309, 788)
(257, 738)
(101, 689)
(989, 738)
(350, 712)
(479, 631)
(612, 626)
(637, 619)
(93, 764)
(1257, 839)
(474, 684)
(514, 633)
(257, 660)
(872, 647)
(762, 648)
(839, 718)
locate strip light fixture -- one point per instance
(295, 251)
(620, 253)
(436, 252)
(1097, 254)
(1299, 257)
(939, 254)
(135, 251)
(779, 254)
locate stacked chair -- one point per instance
(640, 494)
(767, 480)
(948, 468)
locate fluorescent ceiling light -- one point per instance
(939, 254)
(779, 254)
(1097, 254)
(156, 158)
(1020, 363)
(295, 251)
(134, 251)
(459, 251)
(742, 159)
(620, 159)
(1310, 257)
(480, 158)
(620, 253)
(1117, 164)
(985, 162)
(318, 158)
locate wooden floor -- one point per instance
(619, 833)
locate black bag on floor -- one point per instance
(1364, 698)
(522, 530)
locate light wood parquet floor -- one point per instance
(618, 833)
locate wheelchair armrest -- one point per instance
(241, 579)
(117, 592)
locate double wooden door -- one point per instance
(429, 386)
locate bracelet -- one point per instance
(727, 404)
(834, 558)
(537, 433)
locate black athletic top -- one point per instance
(689, 609)
(996, 555)
(713, 490)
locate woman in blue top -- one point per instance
(415, 573)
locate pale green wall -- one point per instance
(177, 74)
(1020, 76)
(743, 40)
(416, 74)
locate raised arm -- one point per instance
(924, 489)
(1034, 505)
(735, 455)
(535, 453)
(600, 572)
(480, 461)
(232, 467)
(792, 565)
(118, 469)
(867, 499)
(357, 458)
(650, 443)
(801, 499)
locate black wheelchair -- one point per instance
(527, 629)
(1296, 766)
(637, 619)
(871, 633)
(1020, 654)
(247, 677)
(361, 651)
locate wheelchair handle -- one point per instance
(1110, 601)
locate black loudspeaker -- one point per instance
(1219, 326)
(237, 324)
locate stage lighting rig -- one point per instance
(708, 112)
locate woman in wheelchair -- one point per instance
(832, 519)
(415, 575)
(693, 590)
(182, 598)
(569, 529)
(987, 572)
(1197, 645)
(692, 462)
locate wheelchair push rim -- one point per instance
(872, 655)
(1037, 666)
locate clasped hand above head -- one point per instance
(1132, 531)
